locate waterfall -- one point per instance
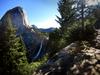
(39, 51)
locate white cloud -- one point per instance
(48, 23)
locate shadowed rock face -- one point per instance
(18, 19)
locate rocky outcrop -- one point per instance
(97, 39)
(86, 62)
(18, 19)
(72, 60)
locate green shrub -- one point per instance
(75, 33)
(56, 42)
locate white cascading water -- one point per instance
(39, 50)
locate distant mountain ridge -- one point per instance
(46, 30)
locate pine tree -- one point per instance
(67, 17)
(74, 14)
(72, 11)
(67, 13)
(13, 59)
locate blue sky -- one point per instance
(41, 13)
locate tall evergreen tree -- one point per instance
(66, 19)
(13, 59)
(72, 11)
(67, 13)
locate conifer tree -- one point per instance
(72, 11)
(13, 59)
(67, 13)
(67, 17)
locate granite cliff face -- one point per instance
(18, 19)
